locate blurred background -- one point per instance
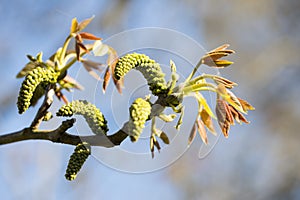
(258, 161)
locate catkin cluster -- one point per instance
(90, 112)
(139, 113)
(37, 78)
(148, 67)
(77, 159)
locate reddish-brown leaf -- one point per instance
(234, 113)
(227, 83)
(61, 96)
(94, 65)
(192, 133)
(81, 45)
(72, 81)
(92, 73)
(224, 116)
(78, 38)
(201, 130)
(106, 79)
(89, 36)
(152, 146)
(243, 118)
(220, 48)
(77, 50)
(112, 61)
(246, 106)
(84, 23)
(207, 120)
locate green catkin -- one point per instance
(139, 113)
(38, 77)
(148, 67)
(90, 112)
(77, 159)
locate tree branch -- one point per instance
(44, 107)
(60, 135)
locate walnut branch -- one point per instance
(60, 135)
(44, 107)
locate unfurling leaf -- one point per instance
(237, 115)
(61, 96)
(111, 62)
(28, 67)
(84, 23)
(246, 106)
(33, 63)
(229, 97)
(207, 120)
(89, 36)
(192, 134)
(225, 118)
(74, 26)
(222, 63)
(163, 136)
(167, 118)
(100, 49)
(202, 101)
(72, 82)
(92, 73)
(90, 65)
(222, 48)
(180, 119)
(152, 146)
(156, 144)
(106, 79)
(227, 83)
(212, 58)
(201, 130)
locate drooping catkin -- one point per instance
(38, 77)
(77, 159)
(139, 110)
(148, 67)
(90, 112)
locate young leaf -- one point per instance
(201, 130)
(167, 118)
(163, 136)
(28, 67)
(89, 36)
(91, 72)
(84, 23)
(74, 26)
(106, 79)
(220, 48)
(207, 120)
(100, 49)
(192, 134)
(152, 146)
(205, 105)
(73, 82)
(246, 106)
(180, 119)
